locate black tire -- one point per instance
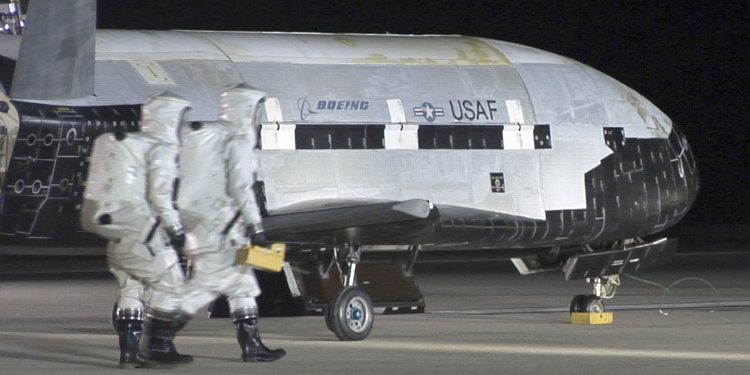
(592, 303)
(586, 303)
(351, 314)
(575, 304)
(328, 317)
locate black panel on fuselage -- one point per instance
(44, 184)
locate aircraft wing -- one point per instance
(348, 221)
(410, 222)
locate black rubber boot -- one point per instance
(129, 332)
(159, 343)
(252, 347)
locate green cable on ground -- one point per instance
(666, 290)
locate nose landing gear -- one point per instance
(604, 288)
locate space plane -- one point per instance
(376, 152)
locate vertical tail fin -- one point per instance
(56, 60)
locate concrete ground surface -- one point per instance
(53, 324)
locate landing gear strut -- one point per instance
(349, 315)
(604, 288)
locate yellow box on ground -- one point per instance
(265, 258)
(591, 317)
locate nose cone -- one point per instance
(686, 173)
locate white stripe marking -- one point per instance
(515, 111)
(273, 110)
(416, 346)
(396, 110)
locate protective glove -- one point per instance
(256, 235)
(176, 238)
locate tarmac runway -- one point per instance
(480, 318)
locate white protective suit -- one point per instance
(218, 165)
(128, 199)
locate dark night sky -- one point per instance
(689, 58)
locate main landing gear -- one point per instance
(604, 288)
(349, 315)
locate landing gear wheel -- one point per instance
(593, 304)
(329, 318)
(350, 314)
(586, 303)
(575, 303)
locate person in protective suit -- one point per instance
(129, 200)
(215, 204)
